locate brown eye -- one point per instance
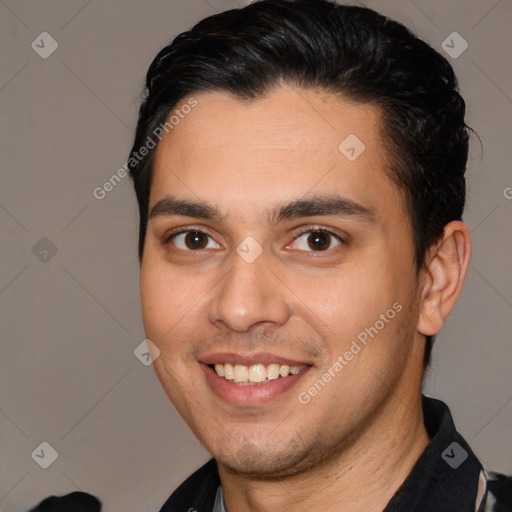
(193, 241)
(317, 241)
(196, 240)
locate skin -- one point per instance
(356, 441)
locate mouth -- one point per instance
(253, 380)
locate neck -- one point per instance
(362, 477)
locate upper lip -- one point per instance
(265, 358)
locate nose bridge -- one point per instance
(249, 294)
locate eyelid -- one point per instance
(318, 228)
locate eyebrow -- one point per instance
(310, 207)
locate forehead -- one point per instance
(242, 154)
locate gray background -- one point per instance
(71, 320)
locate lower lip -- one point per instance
(256, 394)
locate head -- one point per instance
(335, 140)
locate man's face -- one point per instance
(306, 285)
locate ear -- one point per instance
(447, 265)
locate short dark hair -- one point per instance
(77, 501)
(349, 51)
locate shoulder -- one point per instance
(499, 489)
(197, 492)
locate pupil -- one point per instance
(195, 240)
(319, 240)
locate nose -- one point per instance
(250, 295)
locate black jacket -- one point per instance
(447, 477)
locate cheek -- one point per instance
(154, 300)
(175, 313)
(167, 302)
(349, 299)
(366, 305)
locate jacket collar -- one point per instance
(445, 478)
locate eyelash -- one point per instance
(302, 231)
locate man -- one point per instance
(299, 168)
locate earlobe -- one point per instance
(448, 262)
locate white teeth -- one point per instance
(241, 373)
(255, 374)
(272, 371)
(228, 371)
(284, 371)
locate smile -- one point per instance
(255, 373)
(252, 380)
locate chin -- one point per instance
(265, 462)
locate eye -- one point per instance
(317, 240)
(192, 241)
(313, 240)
